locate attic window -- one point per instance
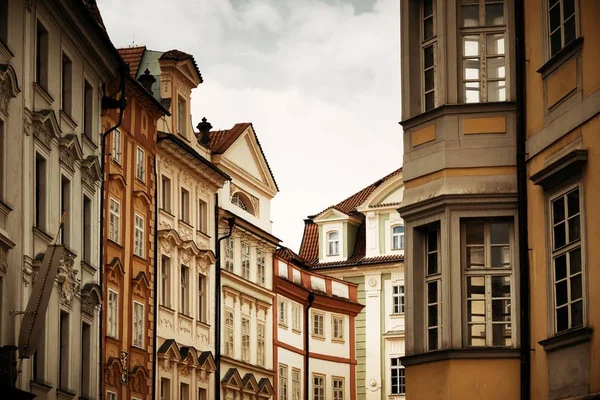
(398, 238)
(333, 243)
(242, 201)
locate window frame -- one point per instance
(435, 277)
(282, 313)
(282, 370)
(340, 321)
(399, 235)
(321, 386)
(296, 391)
(140, 164)
(42, 55)
(166, 193)
(66, 84)
(401, 376)
(139, 236)
(112, 311)
(117, 148)
(320, 331)
(424, 44)
(546, 23)
(261, 343)
(184, 290)
(246, 250)
(261, 269)
(114, 228)
(245, 336)
(229, 339)
(203, 216)
(335, 241)
(398, 299)
(138, 321)
(165, 281)
(296, 317)
(334, 390)
(202, 298)
(184, 205)
(229, 253)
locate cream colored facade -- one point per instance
(55, 58)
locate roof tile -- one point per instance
(133, 57)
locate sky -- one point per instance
(319, 80)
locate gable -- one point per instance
(394, 196)
(330, 215)
(243, 155)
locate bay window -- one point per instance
(433, 286)
(428, 53)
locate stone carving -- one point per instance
(202, 265)
(29, 4)
(88, 304)
(203, 376)
(42, 133)
(3, 262)
(112, 375)
(184, 370)
(27, 124)
(372, 282)
(124, 357)
(90, 172)
(201, 242)
(164, 225)
(185, 233)
(185, 326)
(166, 247)
(165, 322)
(165, 365)
(185, 257)
(202, 337)
(137, 381)
(4, 96)
(67, 277)
(29, 272)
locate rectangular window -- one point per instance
(397, 374)
(398, 238)
(283, 382)
(318, 387)
(229, 246)
(65, 208)
(296, 312)
(86, 363)
(246, 339)
(165, 389)
(165, 281)
(184, 213)
(229, 338)
(116, 146)
(428, 53)
(338, 388)
(260, 334)
(88, 110)
(562, 24)
(260, 268)
(40, 192)
(138, 245)
(184, 288)
(283, 306)
(113, 313)
(114, 233)
(295, 384)
(201, 298)
(433, 290)
(337, 323)
(202, 216)
(166, 193)
(398, 299)
(41, 56)
(140, 165)
(4, 21)
(67, 84)
(318, 323)
(184, 391)
(567, 266)
(202, 394)
(246, 261)
(488, 274)
(181, 117)
(111, 396)
(87, 229)
(138, 324)
(333, 243)
(64, 361)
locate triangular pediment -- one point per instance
(187, 69)
(232, 379)
(330, 215)
(46, 127)
(140, 284)
(207, 361)
(90, 171)
(169, 349)
(265, 389)
(70, 151)
(250, 384)
(115, 270)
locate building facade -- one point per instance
(55, 58)
(315, 318)
(361, 240)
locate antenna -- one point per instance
(133, 41)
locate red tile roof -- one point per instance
(288, 255)
(309, 247)
(133, 57)
(179, 55)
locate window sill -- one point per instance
(135, 346)
(166, 308)
(396, 315)
(561, 57)
(5, 209)
(5, 52)
(203, 324)
(284, 326)
(186, 317)
(43, 93)
(296, 331)
(139, 258)
(453, 354)
(567, 339)
(338, 341)
(203, 234)
(185, 223)
(318, 337)
(112, 337)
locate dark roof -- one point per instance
(222, 140)
(204, 356)
(133, 57)
(94, 11)
(229, 374)
(165, 346)
(264, 382)
(179, 55)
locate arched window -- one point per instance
(398, 238)
(333, 243)
(242, 201)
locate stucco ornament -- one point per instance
(67, 277)
(164, 322)
(27, 123)
(372, 282)
(3, 262)
(185, 326)
(184, 370)
(4, 96)
(124, 358)
(165, 365)
(202, 376)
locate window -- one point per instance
(138, 324)
(86, 353)
(202, 394)
(112, 396)
(64, 360)
(185, 206)
(318, 324)
(260, 268)
(333, 243)
(88, 110)
(433, 291)
(245, 261)
(318, 387)
(561, 23)
(229, 325)
(283, 306)
(237, 200)
(40, 192)
(296, 311)
(229, 254)
(484, 64)
(260, 334)
(337, 323)
(201, 298)
(283, 382)
(166, 193)
(113, 313)
(165, 281)
(202, 216)
(138, 245)
(184, 391)
(140, 165)
(65, 207)
(398, 238)
(398, 380)
(566, 260)
(41, 56)
(398, 299)
(184, 287)
(181, 117)
(87, 229)
(488, 277)
(67, 83)
(428, 53)
(114, 233)
(4, 21)
(338, 388)
(165, 389)
(295, 384)
(116, 146)
(246, 339)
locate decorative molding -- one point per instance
(9, 87)
(67, 277)
(70, 151)
(46, 127)
(3, 261)
(27, 122)
(124, 359)
(185, 326)
(165, 323)
(91, 174)
(29, 4)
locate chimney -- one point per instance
(204, 128)
(147, 80)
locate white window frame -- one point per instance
(337, 327)
(433, 281)
(184, 289)
(283, 382)
(229, 253)
(165, 278)
(318, 324)
(296, 317)
(111, 395)
(260, 268)
(138, 324)
(333, 243)
(138, 247)
(282, 312)
(117, 146)
(245, 331)
(260, 340)
(318, 386)
(229, 320)
(140, 165)
(296, 384)
(113, 314)
(396, 368)
(398, 299)
(246, 260)
(114, 233)
(202, 300)
(338, 386)
(397, 238)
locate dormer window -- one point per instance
(243, 202)
(398, 238)
(333, 243)
(181, 116)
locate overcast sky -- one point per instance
(319, 80)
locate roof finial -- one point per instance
(204, 128)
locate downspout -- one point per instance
(156, 272)
(231, 222)
(524, 311)
(311, 298)
(120, 104)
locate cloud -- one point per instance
(319, 79)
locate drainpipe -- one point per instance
(311, 298)
(108, 102)
(156, 272)
(231, 223)
(524, 311)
